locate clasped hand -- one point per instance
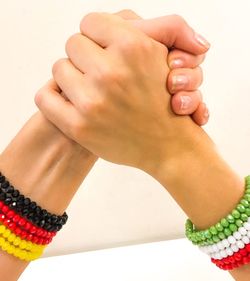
(112, 95)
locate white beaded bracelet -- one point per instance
(230, 245)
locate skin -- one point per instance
(120, 110)
(63, 164)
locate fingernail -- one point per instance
(185, 102)
(179, 81)
(176, 63)
(202, 41)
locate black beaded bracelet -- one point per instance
(29, 209)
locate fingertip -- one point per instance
(205, 45)
(201, 115)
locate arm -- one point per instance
(203, 184)
(42, 163)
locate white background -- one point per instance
(119, 205)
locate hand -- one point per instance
(116, 111)
(187, 100)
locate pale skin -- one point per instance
(117, 113)
(42, 162)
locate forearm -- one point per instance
(45, 166)
(205, 187)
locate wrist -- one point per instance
(42, 163)
(197, 177)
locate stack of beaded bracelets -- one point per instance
(227, 242)
(25, 227)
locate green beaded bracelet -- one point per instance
(226, 227)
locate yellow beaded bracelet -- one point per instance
(17, 252)
(18, 242)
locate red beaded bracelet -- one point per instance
(237, 259)
(23, 228)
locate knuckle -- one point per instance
(58, 67)
(178, 19)
(39, 98)
(71, 42)
(108, 74)
(126, 13)
(134, 44)
(88, 20)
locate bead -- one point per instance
(16, 218)
(7, 233)
(248, 212)
(240, 244)
(221, 235)
(33, 230)
(231, 239)
(226, 242)
(239, 223)
(5, 209)
(233, 227)
(218, 256)
(234, 248)
(247, 225)
(224, 223)
(220, 245)
(227, 232)
(247, 197)
(5, 185)
(245, 203)
(237, 235)
(216, 238)
(230, 219)
(223, 254)
(245, 240)
(236, 214)
(242, 231)
(248, 248)
(219, 227)
(241, 208)
(2, 229)
(10, 214)
(229, 251)
(244, 217)
(22, 222)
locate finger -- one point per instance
(60, 112)
(72, 82)
(105, 29)
(201, 115)
(84, 53)
(181, 59)
(186, 103)
(184, 79)
(51, 85)
(173, 31)
(127, 15)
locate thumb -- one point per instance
(173, 31)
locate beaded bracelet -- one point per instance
(237, 259)
(232, 244)
(226, 226)
(18, 242)
(17, 252)
(29, 209)
(23, 227)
